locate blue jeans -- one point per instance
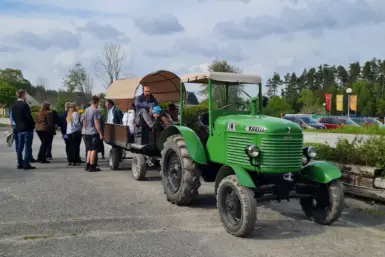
(15, 137)
(24, 143)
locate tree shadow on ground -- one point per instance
(285, 229)
(204, 201)
(297, 226)
(352, 216)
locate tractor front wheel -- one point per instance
(237, 207)
(180, 177)
(327, 204)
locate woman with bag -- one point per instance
(74, 134)
(44, 129)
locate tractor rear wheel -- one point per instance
(180, 176)
(237, 207)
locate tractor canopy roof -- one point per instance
(221, 78)
(164, 86)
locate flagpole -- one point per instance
(330, 104)
(348, 91)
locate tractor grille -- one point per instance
(281, 153)
(236, 150)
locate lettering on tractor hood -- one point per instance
(250, 128)
(259, 124)
(231, 126)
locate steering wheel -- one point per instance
(241, 107)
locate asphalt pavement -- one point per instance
(63, 211)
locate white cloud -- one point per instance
(277, 35)
(65, 59)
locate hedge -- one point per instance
(369, 152)
(370, 130)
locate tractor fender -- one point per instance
(194, 145)
(321, 172)
(242, 176)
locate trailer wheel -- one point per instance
(114, 158)
(180, 176)
(139, 166)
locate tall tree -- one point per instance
(219, 91)
(78, 80)
(7, 93)
(15, 78)
(41, 87)
(109, 66)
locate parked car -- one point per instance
(335, 122)
(368, 122)
(309, 122)
(297, 120)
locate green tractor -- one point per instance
(250, 157)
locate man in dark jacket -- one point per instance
(144, 104)
(25, 125)
(51, 136)
(114, 115)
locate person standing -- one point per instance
(101, 149)
(25, 125)
(12, 123)
(52, 134)
(74, 134)
(114, 115)
(44, 129)
(92, 132)
(63, 128)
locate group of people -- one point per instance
(74, 127)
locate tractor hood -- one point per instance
(259, 124)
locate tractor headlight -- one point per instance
(310, 152)
(252, 151)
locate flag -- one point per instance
(339, 102)
(353, 103)
(328, 101)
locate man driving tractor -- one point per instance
(147, 107)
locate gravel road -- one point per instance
(63, 211)
(331, 138)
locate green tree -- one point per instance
(273, 84)
(309, 102)
(15, 78)
(78, 80)
(7, 93)
(219, 91)
(277, 106)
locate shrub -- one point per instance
(35, 108)
(370, 152)
(370, 130)
(34, 116)
(191, 113)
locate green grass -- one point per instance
(372, 211)
(4, 125)
(352, 130)
(36, 237)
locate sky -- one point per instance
(45, 38)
